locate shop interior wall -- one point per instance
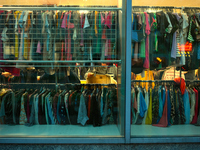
(175, 3)
(60, 2)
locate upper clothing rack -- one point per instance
(97, 8)
(152, 7)
(60, 61)
(172, 7)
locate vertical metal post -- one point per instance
(128, 72)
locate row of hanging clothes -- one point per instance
(58, 35)
(168, 104)
(89, 104)
(164, 37)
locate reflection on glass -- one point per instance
(59, 73)
(165, 81)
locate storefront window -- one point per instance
(165, 69)
(60, 69)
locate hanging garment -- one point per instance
(149, 111)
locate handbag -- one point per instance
(137, 35)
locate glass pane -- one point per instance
(60, 72)
(165, 62)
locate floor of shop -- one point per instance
(59, 131)
(174, 130)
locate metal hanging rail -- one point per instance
(61, 8)
(50, 85)
(152, 7)
(162, 81)
(166, 7)
(152, 80)
(60, 61)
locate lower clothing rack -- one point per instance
(188, 81)
(51, 85)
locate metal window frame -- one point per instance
(128, 72)
(126, 8)
(72, 140)
(152, 140)
(144, 140)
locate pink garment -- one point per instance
(64, 21)
(70, 26)
(62, 16)
(81, 43)
(102, 19)
(1, 11)
(146, 61)
(38, 48)
(109, 49)
(65, 48)
(104, 34)
(106, 48)
(147, 31)
(19, 29)
(108, 20)
(194, 120)
(163, 121)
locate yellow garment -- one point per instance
(26, 40)
(149, 111)
(56, 19)
(95, 26)
(148, 76)
(17, 14)
(29, 20)
(16, 46)
(3, 91)
(26, 48)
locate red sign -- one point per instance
(187, 47)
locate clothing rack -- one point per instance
(50, 85)
(152, 80)
(172, 7)
(29, 85)
(85, 55)
(189, 81)
(97, 8)
(165, 7)
(152, 7)
(60, 61)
